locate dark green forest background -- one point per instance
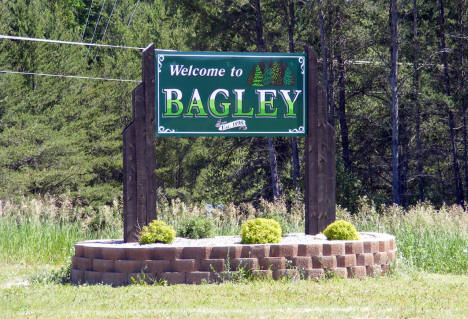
(63, 136)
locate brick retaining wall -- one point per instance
(112, 263)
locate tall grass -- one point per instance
(45, 230)
(429, 239)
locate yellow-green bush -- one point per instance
(157, 232)
(260, 231)
(341, 230)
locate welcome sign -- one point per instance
(230, 94)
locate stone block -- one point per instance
(324, 262)
(77, 276)
(172, 278)
(196, 253)
(139, 253)
(373, 270)
(114, 278)
(314, 273)
(371, 246)
(157, 266)
(384, 245)
(333, 249)
(273, 263)
(262, 274)
(346, 260)
(184, 265)
(365, 259)
(79, 251)
(82, 263)
(103, 265)
(354, 247)
(380, 258)
(128, 266)
(93, 277)
(281, 250)
(391, 255)
(167, 253)
(216, 265)
(113, 253)
(302, 262)
(139, 277)
(92, 252)
(340, 272)
(255, 251)
(225, 251)
(357, 272)
(310, 250)
(197, 277)
(289, 274)
(243, 263)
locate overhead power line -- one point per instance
(87, 19)
(97, 22)
(12, 37)
(68, 76)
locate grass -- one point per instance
(399, 296)
(37, 236)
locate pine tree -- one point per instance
(276, 77)
(289, 78)
(258, 77)
(267, 76)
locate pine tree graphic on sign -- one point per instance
(276, 78)
(258, 77)
(289, 78)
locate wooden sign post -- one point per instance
(319, 155)
(139, 159)
(241, 103)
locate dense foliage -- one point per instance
(157, 232)
(341, 230)
(196, 227)
(260, 231)
(60, 135)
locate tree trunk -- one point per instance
(275, 183)
(420, 165)
(393, 86)
(456, 169)
(461, 80)
(342, 112)
(324, 58)
(292, 21)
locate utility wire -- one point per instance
(108, 20)
(107, 25)
(68, 76)
(87, 19)
(12, 37)
(97, 22)
(133, 12)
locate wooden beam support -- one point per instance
(320, 172)
(139, 198)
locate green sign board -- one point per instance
(230, 94)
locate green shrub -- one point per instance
(341, 230)
(281, 221)
(260, 231)
(157, 232)
(196, 227)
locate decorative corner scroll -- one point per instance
(162, 130)
(302, 62)
(160, 60)
(300, 129)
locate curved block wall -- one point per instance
(115, 263)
